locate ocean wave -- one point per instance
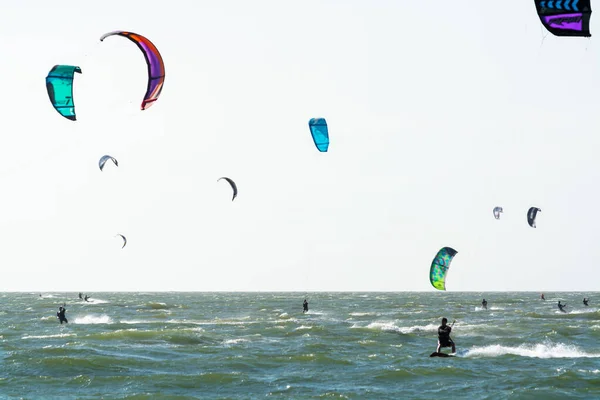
(94, 301)
(389, 326)
(540, 350)
(364, 314)
(57, 335)
(93, 319)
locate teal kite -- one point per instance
(319, 132)
(59, 84)
(439, 267)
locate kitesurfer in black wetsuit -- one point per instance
(585, 301)
(61, 315)
(484, 304)
(305, 306)
(444, 336)
(561, 307)
(86, 297)
(80, 296)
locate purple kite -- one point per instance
(156, 67)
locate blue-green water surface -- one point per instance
(257, 345)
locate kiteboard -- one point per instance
(436, 354)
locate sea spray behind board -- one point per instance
(250, 345)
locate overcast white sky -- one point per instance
(438, 111)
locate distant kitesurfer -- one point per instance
(585, 301)
(86, 297)
(61, 315)
(444, 336)
(561, 307)
(80, 296)
(484, 304)
(305, 306)
(543, 298)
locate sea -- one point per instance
(261, 345)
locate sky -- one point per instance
(437, 113)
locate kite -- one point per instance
(156, 67)
(104, 159)
(565, 17)
(124, 239)
(497, 211)
(319, 132)
(531, 216)
(233, 186)
(59, 84)
(439, 267)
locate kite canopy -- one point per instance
(59, 84)
(156, 67)
(531, 216)
(497, 211)
(565, 17)
(439, 267)
(233, 186)
(104, 159)
(124, 239)
(319, 132)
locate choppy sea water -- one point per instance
(256, 345)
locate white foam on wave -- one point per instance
(303, 327)
(539, 350)
(309, 312)
(389, 326)
(363, 314)
(489, 309)
(235, 341)
(94, 301)
(139, 321)
(585, 311)
(93, 319)
(58, 335)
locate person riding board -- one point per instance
(561, 307)
(484, 304)
(444, 336)
(585, 301)
(305, 306)
(543, 298)
(61, 315)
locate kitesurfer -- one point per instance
(61, 315)
(561, 307)
(543, 298)
(444, 336)
(484, 304)
(305, 306)
(585, 301)
(86, 297)
(80, 296)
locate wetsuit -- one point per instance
(305, 306)
(585, 302)
(561, 307)
(484, 304)
(444, 336)
(61, 315)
